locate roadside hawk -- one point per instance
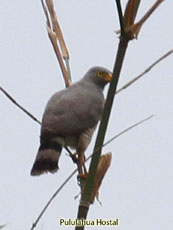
(70, 118)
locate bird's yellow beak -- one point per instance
(108, 77)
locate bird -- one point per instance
(70, 118)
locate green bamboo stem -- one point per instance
(90, 181)
(86, 196)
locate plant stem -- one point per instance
(88, 189)
(121, 19)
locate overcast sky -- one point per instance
(138, 187)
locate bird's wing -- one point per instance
(72, 111)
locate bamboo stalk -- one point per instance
(89, 186)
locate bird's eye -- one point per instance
(100, 74)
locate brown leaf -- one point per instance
(104, 164)
(132, 29)
(130, 12)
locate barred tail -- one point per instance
(47, 159)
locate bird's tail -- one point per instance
(47, 159)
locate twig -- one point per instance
(73, 173)
(53, 40)
(52, 197)
(121, 19)
(145, 71)
(46, 13)
(59, 35)
(135, 28)
(19, 106)
(54, 33)
(57, 28)
(68, 68)
(132, 29)
(128, 129)
(150, 11)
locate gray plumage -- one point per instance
(70, 118)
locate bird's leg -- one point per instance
(85, 172)
(80, 162)
(75, 158)
(83, 142)
(82, 168)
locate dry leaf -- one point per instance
(130, 12)
(132, 29)
(104, 164)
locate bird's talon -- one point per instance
(82, 176)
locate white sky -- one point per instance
(138, 187)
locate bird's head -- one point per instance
(99, 75)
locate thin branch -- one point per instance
(68, 68)
(53, 40)
(52, 197)
(46, 13)
(54, 33)
(73, 173)
(128, 129)
(57, 28)
(19, 106)
(145, 71)
(150, 11)
(59, 36)
(121, 18)
(135, 28)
